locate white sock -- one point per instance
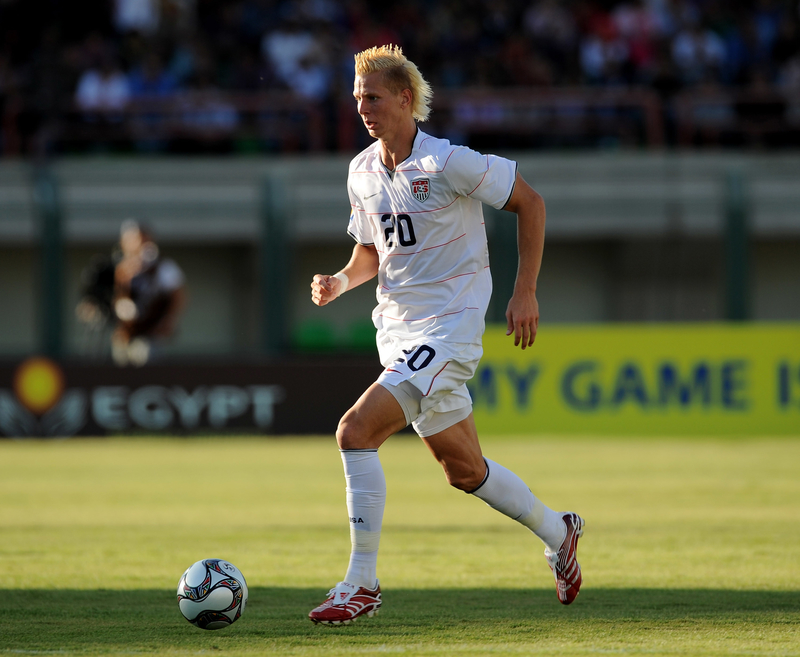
(507, 493)
(366, 498)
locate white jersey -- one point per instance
(426, 223)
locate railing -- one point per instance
(214, 121)
(555, 115)
(719, 117)
(208, 121)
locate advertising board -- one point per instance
(42, 398)
(648, 379)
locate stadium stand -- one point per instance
(212, 76)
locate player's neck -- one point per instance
(398, 147)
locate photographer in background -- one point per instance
(149, 297)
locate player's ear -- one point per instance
(406, 98)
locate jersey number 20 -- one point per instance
(401, 226)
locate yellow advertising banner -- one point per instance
(647, 379)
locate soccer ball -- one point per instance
(212, 594)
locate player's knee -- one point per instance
(349, 435)
(344, 435)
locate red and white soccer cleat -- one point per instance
(345, 603)
(564, 563)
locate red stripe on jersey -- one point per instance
(431, 170)
(427, 170)
(484, 176)
(419, 211)
(434, 379)
(469, 273)
(423, 319)
(438, 246)
(382, 170)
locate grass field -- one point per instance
(692, 547)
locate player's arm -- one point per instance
(363, 266)
(522, 313)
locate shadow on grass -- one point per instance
(101, 621)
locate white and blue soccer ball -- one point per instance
(212, 594)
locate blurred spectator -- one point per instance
(149, 297)
(151, 79)
(137, 16)
(312, 78)
(698, 52)
(553, 29)
(767, 19)
(191, 56)
(287, 47)
(603, 52)
(49, 55)
(104, 89)
(636, 26)
(664, 17)
(742, 52)
(203, 109)
(151, 83)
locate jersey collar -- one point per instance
(419, 137)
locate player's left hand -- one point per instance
(522, 316)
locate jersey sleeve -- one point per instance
(487, 178)
(358, 227)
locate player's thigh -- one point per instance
(458, 450)
(371, 420)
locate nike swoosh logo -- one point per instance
(371, 195)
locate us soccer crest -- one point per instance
(421, 189)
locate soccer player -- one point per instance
(417, 221)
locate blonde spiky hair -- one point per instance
(398, 73)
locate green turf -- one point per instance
(692, 548)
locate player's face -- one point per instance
(381, 110)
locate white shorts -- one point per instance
(428, 377)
